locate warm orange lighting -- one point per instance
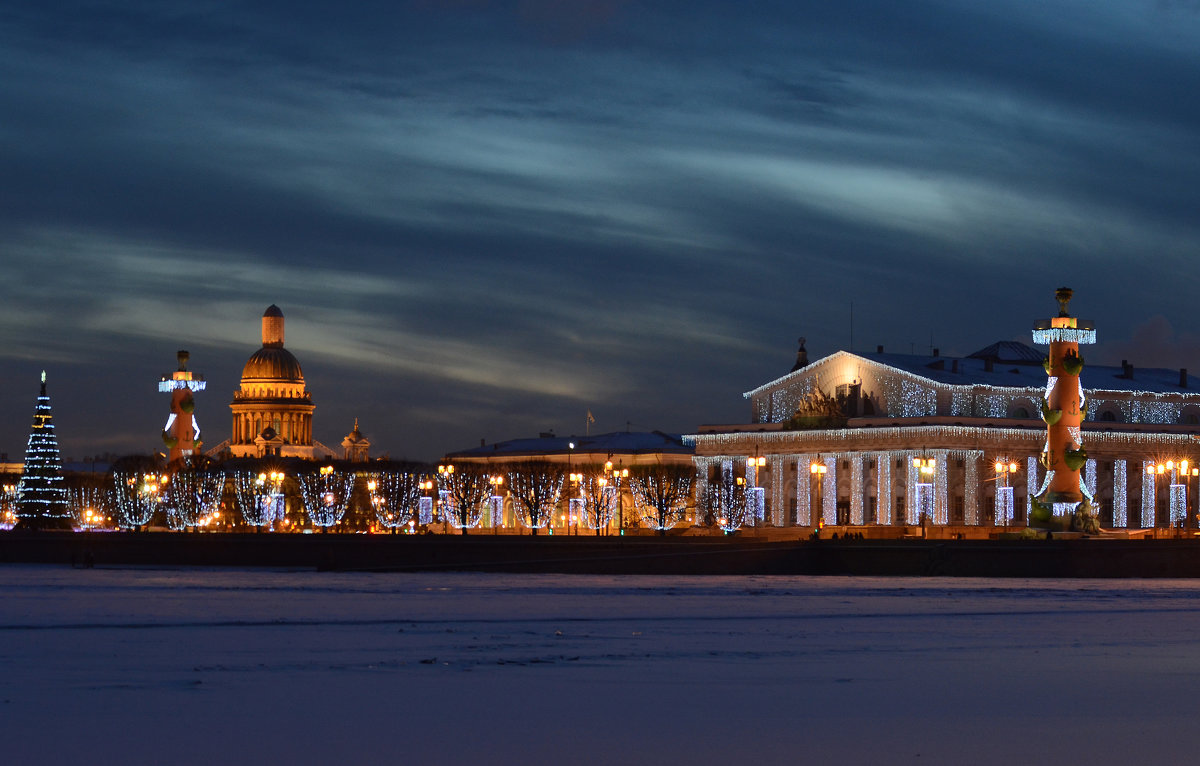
(999, 467)
(1012, 467)
(1183, 465)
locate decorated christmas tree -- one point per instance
(42, 495)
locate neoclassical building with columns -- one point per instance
(272, 409)
(926, 436)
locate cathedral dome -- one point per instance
(273, 363)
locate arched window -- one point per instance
(1020, 413)
(1108, 416)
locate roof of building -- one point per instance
(1011, 368)
(620, 442)
(273, 363)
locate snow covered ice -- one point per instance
(251, 666)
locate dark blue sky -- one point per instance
(484, 218)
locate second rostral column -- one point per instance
(1064, 502)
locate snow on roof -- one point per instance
(620, 442)
(972, 371)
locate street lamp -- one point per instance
(818, 469)
(1178, 493)
(497, 509)
(618, 474)
(926, 467)
(1003, 490)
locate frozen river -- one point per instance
(267, 667)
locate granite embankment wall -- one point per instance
(612, 555)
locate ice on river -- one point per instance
(267, 667)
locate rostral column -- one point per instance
(182, 432)
(1064, 501)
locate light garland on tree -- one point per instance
(89, 506)
(536, 486)
(601, 495)
(193, 497)
(1178, 504)
(660, 493)
(396, 497)
(260, 497)
(136, 496)
(42, 493)
(464, 493)
(724, 500)
(326, 495)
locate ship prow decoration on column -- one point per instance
(1064, 502)
(181, 435)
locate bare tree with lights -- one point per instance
(193, 493)
(465, 492)
(535, 485)
(396, 496)
(326, 495)
(259, 497)
(724, 501)
(89, 505)
(600, 489)
(661, 494)
(136, 495)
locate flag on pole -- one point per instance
(587, 426)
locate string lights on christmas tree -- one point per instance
(42, 494)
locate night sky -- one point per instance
(484, 218)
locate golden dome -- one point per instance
(275, 364)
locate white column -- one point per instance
(971, 487)
(1148, 488)
(1031, 486)
(804, 499)
(778, 512)
(941, 501)
(829, 490)
(857, 490)
(1120, 494)
(883, 488)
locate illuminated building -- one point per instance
(272, 410)
(878, 438)
(355, 447)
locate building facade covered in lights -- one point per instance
(273, 409)
(912, 436)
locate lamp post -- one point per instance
(426, 486)
(618, 474)
(576, 480)
(1004, 468)
(818, 469)
(756, 462)
(496, 482)
(446, 474)
(926, 467)
(1177, 492)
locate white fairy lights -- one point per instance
(326, 495)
